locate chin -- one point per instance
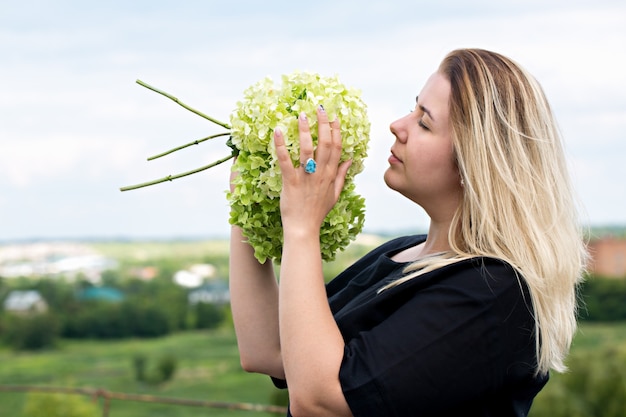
(388, 178)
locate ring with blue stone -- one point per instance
(309, 166)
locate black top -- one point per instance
(457, 341)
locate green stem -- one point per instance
(171, 97)
(173, 177)
(195, 142)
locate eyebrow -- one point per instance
(424, 109)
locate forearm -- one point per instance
(312, 346)
(254, 304)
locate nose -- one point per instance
(398, 130)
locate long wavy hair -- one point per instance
(518, 203)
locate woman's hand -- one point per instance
(307, 198)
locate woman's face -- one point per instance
(421, 165)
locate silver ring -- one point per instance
(309, 166)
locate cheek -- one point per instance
(431, 157)
(446, 163)
(437, 165)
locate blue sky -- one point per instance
(74, 126)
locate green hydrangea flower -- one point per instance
(254, 202)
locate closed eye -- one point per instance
(422, 125)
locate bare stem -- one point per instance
(173, 177)
(195, 142)
(191, 109)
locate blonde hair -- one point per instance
(517, 202)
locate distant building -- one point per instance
(145, 273)
(608, 257)
(212, 293)
(195, 275)
(101, 294)
(53, 259)
(25, 302)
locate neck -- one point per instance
(437, 240)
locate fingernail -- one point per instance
(321, 107)
(302, 116)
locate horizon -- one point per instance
(606, 228)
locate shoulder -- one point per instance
(478, 280)
(486, 270)
(487, 294)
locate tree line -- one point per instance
(148, 309)
(158, 307)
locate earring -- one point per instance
(462, 182)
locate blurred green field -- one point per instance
(208, 369)
(595, 384)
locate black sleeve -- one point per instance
(450, 343)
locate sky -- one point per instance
(75, 127)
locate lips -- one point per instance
(394, 158)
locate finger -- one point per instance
(282, 154)
(342, 171)
(306, 141)
(336, 144)
(324, 138)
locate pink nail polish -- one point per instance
(302, 116)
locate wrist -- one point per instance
(300, 232)
(301, 242)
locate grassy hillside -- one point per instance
(208, 369)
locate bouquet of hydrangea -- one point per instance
(255, 199)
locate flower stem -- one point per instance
(195, 142)
(171, 97)
(173, 177)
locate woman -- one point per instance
(466, 320)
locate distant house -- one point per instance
(195, 275)
(25, 302)
(145, 273)
(101, 294)
(212, 293)
(608, 257)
